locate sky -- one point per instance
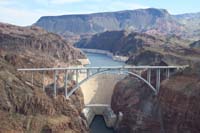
(27, 12)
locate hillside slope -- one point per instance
(174, 110)
(35, 42)
(143, 49)
(24, 107)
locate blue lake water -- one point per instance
(102, 60)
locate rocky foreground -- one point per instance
(174, 110)
(25, 108)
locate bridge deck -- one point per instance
(100, 70)
(103, 67)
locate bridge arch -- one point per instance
(111, 71)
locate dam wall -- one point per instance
(99, 89)
(114, 57)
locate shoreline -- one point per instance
(114, 57)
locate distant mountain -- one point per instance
(191, 22)
(128, 43)
(142, 48)
(142, 20)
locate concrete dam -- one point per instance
(99, 89)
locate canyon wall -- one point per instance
(174, 110)
(151, 21)
(25, 108)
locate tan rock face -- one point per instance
(137, 102)
(179, 103)
(34, 42)
(175, 109)
(25, 108)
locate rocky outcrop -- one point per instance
(138, 104)
(25, 107)
(178, 100)
(174, 110)
(140, 20)
(143, 49)
(35, 42)
(120, 42)
(151, 21)
(191, 22)
(177, 56)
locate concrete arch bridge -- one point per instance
(103, 85)
(91, 72)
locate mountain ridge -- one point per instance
(151, 21)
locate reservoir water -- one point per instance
(98, 124)
(102, 60)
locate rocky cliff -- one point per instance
(191, 22)
(174, 110)
(24, 107)
(127, 43)
(35, 42)
(151, 21)
(143, 49)
(142, 19)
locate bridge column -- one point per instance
(55, 80)
(88, 73)
(149, 75)
(158, 79)
(98, 70)
(77, 76)
(65, 83)
(167, 73)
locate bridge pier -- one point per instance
(157, 79)
(65, 83)
(149, 75)
(77, 76)
(88, 73)
(55, 82)
(167, 73)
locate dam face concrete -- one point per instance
(99, 89)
